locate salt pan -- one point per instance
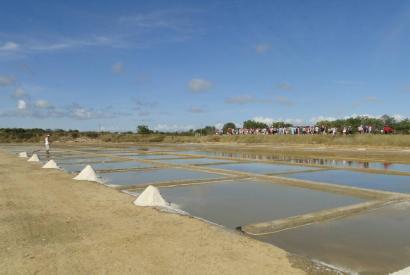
(88, 174)
(151, 197)
(34, 158)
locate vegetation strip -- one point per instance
(270, 227)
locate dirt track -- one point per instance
(50, 224)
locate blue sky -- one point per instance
(176, 65)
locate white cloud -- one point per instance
(6, 80)
(398, 117)
(21, 104)
(9, 46)
(197, 85)
(68, 43)
(269, 121)
(321, 118)
(219, 125)
(172, 127)
(118, 68)
(262, 48)
(42, 104)
(43, 109)
(18, 93)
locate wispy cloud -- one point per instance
(197, 85)
(284, 101)
(6, 80)
(262, 48)
(129, 31)
(18, 93)
(42, 104)
(349, 82)
(321, 118)
(175, 19)
(196, 110)
(172, 127)
(28, 45)
(44, 109)
(269, 120)
(284, 86)
(372, 99)
(241, 100)
(9, 46)
(118, 68)
(141, 105)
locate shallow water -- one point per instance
(105, 166)
(192, 161)
(243, 202)
(74, 160)
(393, 183)
(262, 168)
(376, 242)
(142, 156)
(156, 175)
(307, 160)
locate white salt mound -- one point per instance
(405, 271)
(34, 158)
(23, 155)
(88, 174)
(150, 197)
(51, 164)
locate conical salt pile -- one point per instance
(51, 164)
(34, 158)
(150, 197)
(89, 174)
(23, 155)
(404, 271)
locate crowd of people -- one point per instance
(307, 130)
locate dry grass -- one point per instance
(353, 140)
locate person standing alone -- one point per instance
(47, 144)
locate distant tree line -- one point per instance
(36, 134)
(400, 127)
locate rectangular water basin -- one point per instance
(262, 168)
(82, 160)
(193, 161)
(375, 242)
(147, 156)
(233, 204)
(105, 166)
(392, 183)
(153, 176)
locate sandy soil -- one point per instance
(50, 224)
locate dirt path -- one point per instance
(50, 224)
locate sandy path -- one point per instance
(50, 224)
